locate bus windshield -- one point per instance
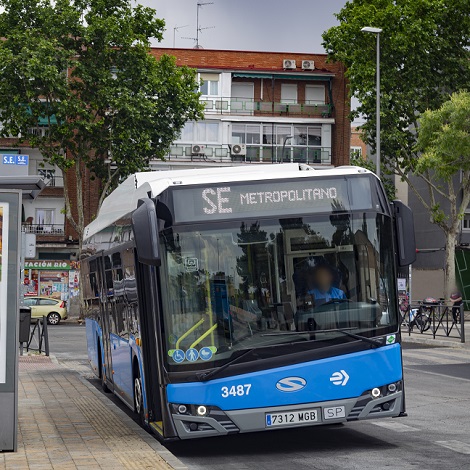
(229, 287)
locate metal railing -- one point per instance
(251, 154)
(39, 131)
(440, 319)
(44, 229)
(251, 107)
(51, 180)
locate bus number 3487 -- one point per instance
(236, 391)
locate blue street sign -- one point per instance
(15, 159)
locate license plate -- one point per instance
(287, 418)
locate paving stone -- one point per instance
(64, 423)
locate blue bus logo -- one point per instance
(291, 384)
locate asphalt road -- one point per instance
(435, 435)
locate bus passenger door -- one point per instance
(152, 343)
(106, 286)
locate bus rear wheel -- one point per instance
(104, 386)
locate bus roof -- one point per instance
(124, 199)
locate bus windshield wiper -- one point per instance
(345, 331)
(207, 375)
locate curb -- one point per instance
(429, 341)
(148, 438)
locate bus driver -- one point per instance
(323, 290)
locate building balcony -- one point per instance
(251, 107)
(241, 153)
(45, 232)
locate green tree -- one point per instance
(444, 146)
(424, 59)
(83, 68)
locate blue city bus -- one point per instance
(233, 300)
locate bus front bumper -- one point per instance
(217, 422)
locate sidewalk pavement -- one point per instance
(65, 423)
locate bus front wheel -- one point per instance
(138, 395)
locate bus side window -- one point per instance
(130, 288)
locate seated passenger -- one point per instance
(323, 290)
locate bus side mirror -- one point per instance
(144, 224)
(405, 231)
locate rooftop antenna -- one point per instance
(198, 27)
(177, 28)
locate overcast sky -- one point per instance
(262, 25)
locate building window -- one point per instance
(314, 94)
(207, 132)
(238, 134)
(466, 222)
(210, 84)
(288, 143)
(187, 133)
(253, 134)
(356, 151)
(48, 176)
(288, 93)
(45, 217)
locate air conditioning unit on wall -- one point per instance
(289, 64)
(308, 65)
(239, 149)
(197, 149)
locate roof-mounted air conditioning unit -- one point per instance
(289, 64)
(308, 65)
(239, 149)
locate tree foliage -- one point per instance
(425, 57)
(444, 146)
(83, 68)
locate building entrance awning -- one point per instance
(284, 76)
(30, 185)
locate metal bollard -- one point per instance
(46, 335)
(462, 323)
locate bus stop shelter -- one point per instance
(13, 189)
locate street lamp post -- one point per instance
(376, 31)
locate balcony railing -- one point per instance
(53, 181)
(250, 107)
(44, 229)
(250, 154)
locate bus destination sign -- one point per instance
(255, 200)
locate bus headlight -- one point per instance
(201, 410)
(182, 409)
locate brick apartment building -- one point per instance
(358, 146)
(260, 107)
(264, 107)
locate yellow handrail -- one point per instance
(207, 333)
(199, 323)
